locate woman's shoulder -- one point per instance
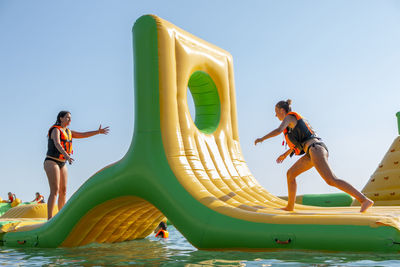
(51, 130)
(292, 117)
(295, 115)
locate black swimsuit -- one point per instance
(59, 163)
(301, 134)
(317, 144)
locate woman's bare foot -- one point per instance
(287, 208)
(366, 204)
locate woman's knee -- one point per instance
(291, 175)
(62, 191)
(54, 190)
(331, 181)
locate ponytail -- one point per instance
(286, 105)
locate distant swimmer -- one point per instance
(161, 230)
(11, 197)
(59, 151)
(302, 139)
(39, 198)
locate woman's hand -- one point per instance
(258, 140)
(69, 159)
(281, 158)
(104, 130)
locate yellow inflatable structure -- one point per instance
(16, 202)
(384, 185)
(23, 217)
(28, 211)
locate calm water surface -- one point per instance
(176, 251)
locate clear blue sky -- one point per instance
(339, 62)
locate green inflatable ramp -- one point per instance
(192, 170)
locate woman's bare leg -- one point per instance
(319, 158)
(300, 166)
(63, 187)
(53, 175)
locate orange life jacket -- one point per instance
(65, 140)
(12, 198)
(162, 233)
(40, 197)
(296, 137)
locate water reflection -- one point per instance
(288, 258)
(176, 251)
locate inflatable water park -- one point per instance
(194, 173)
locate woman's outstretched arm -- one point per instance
(104, 130)
(285, 123)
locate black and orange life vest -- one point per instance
(162, 233)
(296, 137)
(65, 141)
(40, 197)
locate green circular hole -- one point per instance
(206, 102)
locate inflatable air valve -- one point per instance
(398, 121)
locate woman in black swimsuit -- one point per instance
(58, 153)
(302, 139)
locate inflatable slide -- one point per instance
(193, 171)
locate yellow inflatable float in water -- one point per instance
(28, 211)
(16, 202)
(21, 217)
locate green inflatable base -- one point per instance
(327, 200)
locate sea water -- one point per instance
(177, 251)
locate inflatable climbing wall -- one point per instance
(384, 185)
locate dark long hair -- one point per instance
(60, 115)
